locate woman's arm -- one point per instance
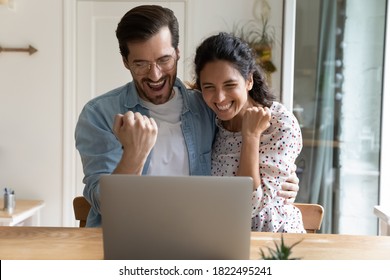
(280, 146)
(254, 123)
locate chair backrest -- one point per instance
(383, 213)
(81, 209)
(312, 215)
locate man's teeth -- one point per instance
(223, 107)
(158, 84)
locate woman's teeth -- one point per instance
(223, 107)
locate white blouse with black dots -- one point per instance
(280, 145)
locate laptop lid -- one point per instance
(167, 217)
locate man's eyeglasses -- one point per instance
(165, 63)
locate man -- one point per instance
(153, 125)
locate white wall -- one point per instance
(31, 104)
(31, 92)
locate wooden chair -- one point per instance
(81, 209)
(312, 215)
(383, 213)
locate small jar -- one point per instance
(9, 202)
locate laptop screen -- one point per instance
(167, 217)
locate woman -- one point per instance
(257, 136)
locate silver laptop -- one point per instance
(176, 218)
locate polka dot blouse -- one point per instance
(280, 145)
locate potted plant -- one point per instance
(259, 34)
(281, 251)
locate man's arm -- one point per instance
(137, 134)
(103, 152)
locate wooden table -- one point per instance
(26, 213)
(86, 243)
(326, 246)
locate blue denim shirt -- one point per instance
(100, 150)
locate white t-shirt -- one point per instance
(169, 155)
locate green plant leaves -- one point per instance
(281, 252)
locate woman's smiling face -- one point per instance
(224, 89)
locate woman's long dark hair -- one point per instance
(227, 47)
